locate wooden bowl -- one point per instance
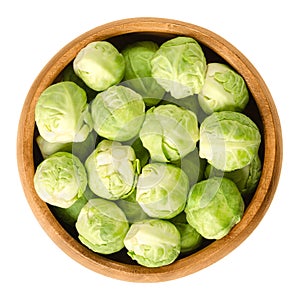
(261, 109)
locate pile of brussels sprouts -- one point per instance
(146, 148)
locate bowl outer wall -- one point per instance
(216, 250)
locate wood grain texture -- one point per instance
(122, 31)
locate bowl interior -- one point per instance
(119, 265)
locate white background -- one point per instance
(266, 265)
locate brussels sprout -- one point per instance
(169, 132)
(214, 206)
(246, 178)
(162, 190)
(179, 66)
(62, 113)
(102, 226)
(132, 209)
(223, 89)
(118, 113)
(99, 65)
(60, 179)
(112, 170)
(228, 140)
(190, 238)
(138, 71)
(153, 243)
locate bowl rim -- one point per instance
(216, 250)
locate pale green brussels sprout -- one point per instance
(112, 170)
(132, 209)
(169, 132)
(223, 89)
(179, 66)
(214, 206)
(246, 178)
(138, 75)
(229, 140)
(100, 65)
(118, 113)
(162, 190)
(102, 226)
(79, 149)
(60, 179)
(62, 113)
(153, 243)
(190, 238)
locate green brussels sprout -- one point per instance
(79, 149)
(179, 66)
(228, 140)
(223, 89)
(112, 170)
(246, 178)
(190, 238)
(60, 179)
(132, 209)
(62, 113)
(102, 226)
(153, 242)
(99, 65)
(169, 132)
(118, 113)
(162, 190)
(138, 76)
(214, 206)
